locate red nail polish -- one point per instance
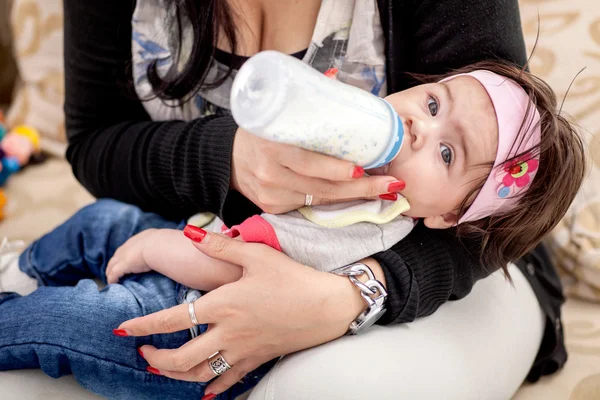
(359, 172)
(153, 370)
(141, 352)
(389, 196)
(120, 332)
(194, 233)
(209, 396)
(396, 186)
(330, 73)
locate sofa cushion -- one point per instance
(37, 29)
(570, 40)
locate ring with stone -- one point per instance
(217, 364)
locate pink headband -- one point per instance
(506, 181)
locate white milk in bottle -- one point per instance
(278, 97)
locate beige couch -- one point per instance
(570, 39)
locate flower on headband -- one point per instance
(517, 173)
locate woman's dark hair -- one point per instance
(562, 164)
(207, 19)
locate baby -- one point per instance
(485, 153)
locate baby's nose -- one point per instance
(417, 137)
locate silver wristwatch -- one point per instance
(372, 291)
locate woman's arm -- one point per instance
(115, 149)
(425, 270)
(177, 168)
(430, 267)
(435, 36)
(278, 307)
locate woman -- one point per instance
(197, 159)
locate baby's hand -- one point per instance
(129, 258)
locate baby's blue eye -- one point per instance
(446, 154)
(432, 104)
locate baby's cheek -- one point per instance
(425, 200)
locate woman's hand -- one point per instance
(277, 176)
(276, 308)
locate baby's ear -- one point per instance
(441, 221)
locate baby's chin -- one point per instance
(412, 214)
(418, 212)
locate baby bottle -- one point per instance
(278, 97)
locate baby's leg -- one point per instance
(81, 247)
(68, 330)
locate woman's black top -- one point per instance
(178, 168)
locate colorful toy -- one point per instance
(21, 143)
(9, 165)
(3, 202)
(18, 147)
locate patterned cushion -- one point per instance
(37, 27)
(570, 40)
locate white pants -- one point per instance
(480, 347)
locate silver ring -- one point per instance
(218, 364)
(308, 200)
(192, 312)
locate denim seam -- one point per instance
(38, 274)
(61, 266)
(68, 349)
(28, 253)
(112, 362)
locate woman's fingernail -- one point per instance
(209, 396)
(120, 332)
(396, 186)
(153, 370)
(358, 172)
(141, 352)
(194, 233)
(389, 196)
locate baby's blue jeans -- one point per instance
(65, 326)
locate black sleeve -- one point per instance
(430, 267)
(174, 168)
(454, 33)
(436, 36)
(426, 269)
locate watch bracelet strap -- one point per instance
(373, 287)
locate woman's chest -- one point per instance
(346, 40)
(283, 25)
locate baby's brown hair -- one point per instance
(507, 236)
